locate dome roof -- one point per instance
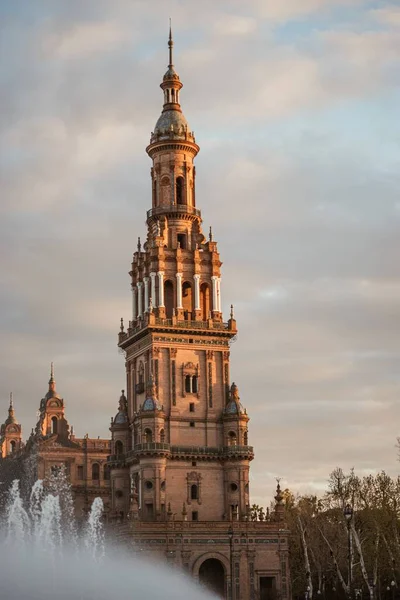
(171, 74)
(150, 405)
(234, 408)
(120, 418)
(171, 121)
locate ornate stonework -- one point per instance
(188, 452)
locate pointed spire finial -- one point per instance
(122, 325)
(232, 313)
(52, 371)
(139, 245)
(211, 234)
(11, 401)
(170, 44)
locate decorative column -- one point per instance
(196, 278)
(179, 290)
(146, 293)
(160, 288)
(134, 303)
(140, 298)
(214, 283)
(153, 289)
(219, 304)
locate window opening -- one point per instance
(194, 492)
(191, 407)
(96, 471)
(195, 515)
(54, 425)
(180, 184)
(182, 240)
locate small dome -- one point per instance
(120, 418)
(150, 405)
(234, 408)
(171, 121)
(171, 74)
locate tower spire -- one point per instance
(170, 44)
(52, 381)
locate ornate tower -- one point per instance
(51, 417)
(189, 443)
(10, 433)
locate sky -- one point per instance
(295, 107)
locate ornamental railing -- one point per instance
(176, 208)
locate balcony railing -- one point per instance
(175, 208)
(216, 452)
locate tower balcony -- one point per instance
(139, 327)
(181, 210)
(162, 449)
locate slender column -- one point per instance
(214, 279)
(140, 298)
(153, 289)
(146, 293)
(196, 292)
(160, 288)
(134, 304)
(179, 290)
(219, 304)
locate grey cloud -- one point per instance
(305, 212)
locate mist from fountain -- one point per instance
(43, 557)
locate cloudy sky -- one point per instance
(295, 107)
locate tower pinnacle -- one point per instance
(170, 45)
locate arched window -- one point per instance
(155, 192)
(162, 436)
(187, 300)
(246, 438)
(141, 374)
(191, 384)
(169, 298)
(232, 438)
(180, 188)
(95, 471)
(54, 425)
(119, 448)
(205, 301)
(13, 446)
(194, 384)
(148, 436)
(194, 492)
(106, 473)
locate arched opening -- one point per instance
(180, 188)
(13, 446)
(54, 425)
(155, 192)
(194, 492)
(106, 473)
(212, 576)
(148, 436)
(119, 448)
(246, 439)
(232, 439)
(205, 301)
(95, 471)
(162, 436)
(169, 298)
(187, 300)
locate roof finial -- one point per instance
(11, 401)
(52, 371)
(170, 44)
(232, 313)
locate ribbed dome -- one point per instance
(171, 74)
(171, 121)
(150, 405)
(120, 418)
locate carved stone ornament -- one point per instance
(173, 352)
(210, 354)
(226, 355)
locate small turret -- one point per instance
(10, 432)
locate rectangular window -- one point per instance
(79, 472)
(182, 240)
(191, 423)
(195, 515)
(267, 588)
(194, 463)
(191, 407)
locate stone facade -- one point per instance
(180, 443)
